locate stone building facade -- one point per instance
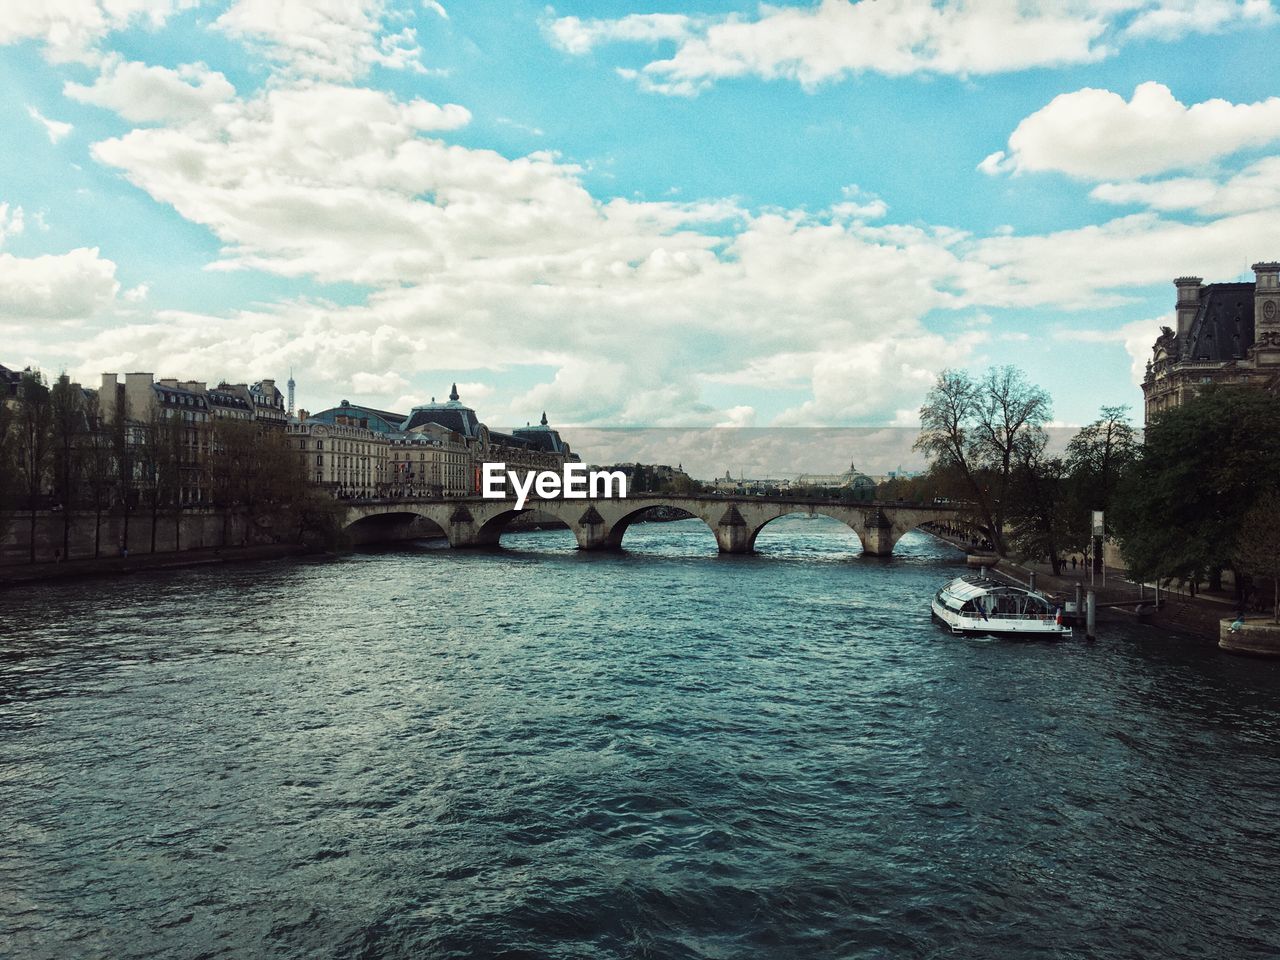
(437, 449)
(1226, 333)
(346, 458)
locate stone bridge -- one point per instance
(600, 524)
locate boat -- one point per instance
(977, 604)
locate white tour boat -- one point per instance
(977, 604)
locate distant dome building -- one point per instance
(542, 437)
(850, 478)
(453, 415)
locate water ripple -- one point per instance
(663, 753)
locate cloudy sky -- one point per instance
(639, 213)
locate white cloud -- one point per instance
(851, 384)
(832, 39)
(66, 286)
(147, 94)
(334, 40)
(71, 29)
(1096, 134)
(1090, 266)
(577, 36)
(835, 38)
(1175, 20)
(739, 416)
(1256, 187)
(1137, 338)
(435, 7)
(12, 222)
(366, 383)
(482, 262)
(55, 129)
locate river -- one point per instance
(660, 753)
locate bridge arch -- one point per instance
(618, 529)
(491, 530)
(391, 525)
(849, 522)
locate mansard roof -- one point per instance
(541, 437)
(383, 421)
(453, 415)
(9, 380)
(510, 440)
(1223, 326)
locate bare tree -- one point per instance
(975, 427)
(33, 428)
(99, 465)
(123, 446)
(1097, 458)
(8, 469)
(67, 419)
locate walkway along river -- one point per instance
(664, 752)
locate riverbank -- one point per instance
(1200, 616)
(114, 566)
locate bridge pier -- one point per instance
(592, 533)
(464, 532)
(877, 535)
(732, 533)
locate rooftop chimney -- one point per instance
(1188, 303)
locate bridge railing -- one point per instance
(531, 502)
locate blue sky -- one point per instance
(629, 213)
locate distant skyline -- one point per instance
(646, 214)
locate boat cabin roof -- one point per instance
(966, 588)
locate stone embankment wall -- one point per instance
(197, 530)
(1259, 636)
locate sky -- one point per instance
(629, 214)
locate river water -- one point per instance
(661, 753)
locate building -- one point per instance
(526, 448)
(1226, 333)
(9, 382)
(435, 450)
(347, 459)
(851, 478)
(541, 437)
(431, 461)
(744, 485)
(196, 408)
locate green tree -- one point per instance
(1179, 511)
(1097, 459)
(33, 422)
(1257, 550)
(1037, 502)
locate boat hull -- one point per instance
(1021, 629)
